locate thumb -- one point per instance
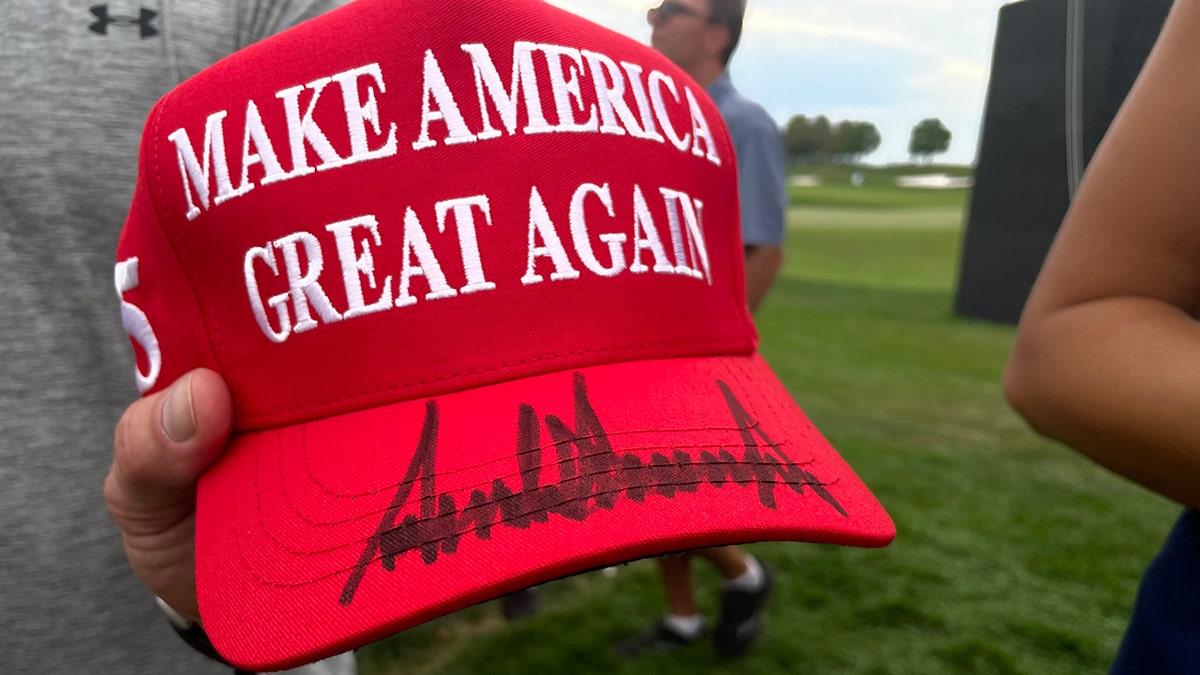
(161, 446)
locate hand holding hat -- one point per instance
(163, 443)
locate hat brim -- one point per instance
(317, 538)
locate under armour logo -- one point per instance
(142, 21)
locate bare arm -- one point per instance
(1107, 358)
(762, 265)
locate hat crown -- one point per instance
(437, 200)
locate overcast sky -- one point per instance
(890, 62)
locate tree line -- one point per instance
(816, 140)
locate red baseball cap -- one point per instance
(473, 273)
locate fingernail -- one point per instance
(178, 421)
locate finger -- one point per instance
(162, 445)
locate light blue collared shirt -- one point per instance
(760, 162)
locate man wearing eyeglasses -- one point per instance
(700, 36)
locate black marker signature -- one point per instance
(591, 476)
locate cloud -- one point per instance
(798, 33)
(891, 62)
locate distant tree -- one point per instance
(850, 141)
(869, 139)
(821, 129)
(837, 145)
(798, 139)
(929, 137)
(805, 138)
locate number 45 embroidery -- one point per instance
(137, 324)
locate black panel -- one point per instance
(1022, 182)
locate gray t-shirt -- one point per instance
(77, 80)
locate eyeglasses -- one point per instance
(671, 8)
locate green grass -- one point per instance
(1014, 555)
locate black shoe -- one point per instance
(659, 638)
(741, 616)
(520, 605)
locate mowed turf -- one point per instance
(1014, 555)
